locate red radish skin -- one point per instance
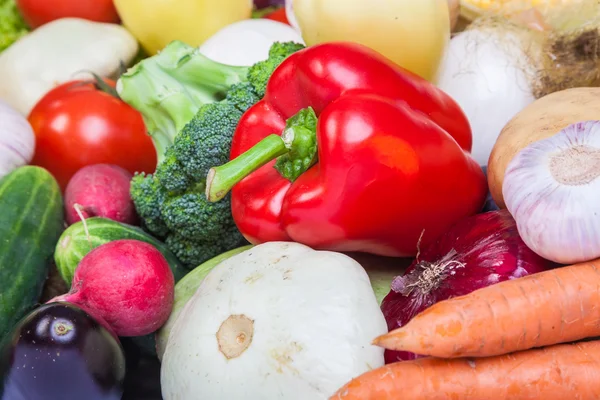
(100, 190)
(476, 252)
(127, 283)
(92, 313)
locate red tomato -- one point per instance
(78, 125)
(278, 15)
(39, 12)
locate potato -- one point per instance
(543, 118)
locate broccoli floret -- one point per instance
(181, 214)
(148, 196)
(195, 226)
(193, 253)
(12, 25)
(194, 229)
(206, 140)
(281, 50)
(259, 73)
(242, 96)
(170, 172)
(172, 202)
(169, 88)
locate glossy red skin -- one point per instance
(491, 250)
(127, 283)
(39, 12)
(393, 157)
(278, 15)
(102, 190)
(77, 125)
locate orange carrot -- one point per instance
(556, 306)
(560, 372)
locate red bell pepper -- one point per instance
(387, 162)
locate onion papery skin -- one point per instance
(476, 252)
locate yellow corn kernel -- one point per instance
(500, 4)
(506, 7)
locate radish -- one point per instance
(100, 190)
(126, 283)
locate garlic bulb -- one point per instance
(552, 189)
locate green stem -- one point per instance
(180, 109)
(221, 179)
(295, 150)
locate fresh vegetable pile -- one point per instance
(299, 200)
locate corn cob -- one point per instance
(506, 7)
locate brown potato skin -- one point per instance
(543, 118)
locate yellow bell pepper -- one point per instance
(412, 33)
(156, 23)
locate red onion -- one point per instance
(476, 252)
(268, 3)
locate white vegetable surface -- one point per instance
(17, 140)
(487, 75)
(551, 189)
(60, 51)
(247, 42)
(289, 14)
(278, 321)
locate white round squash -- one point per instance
(278, 321)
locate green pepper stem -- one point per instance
(295, 149)
(221, 179)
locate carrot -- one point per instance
(560, 372)
(556, 306)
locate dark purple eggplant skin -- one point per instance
(60, 352)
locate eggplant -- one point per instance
(61, 352)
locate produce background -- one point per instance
(143, 379)
(138, 110)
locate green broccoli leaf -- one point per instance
(12, 25)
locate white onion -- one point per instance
(487, 72)
(289, 14)
(247, 42)
(17, 140)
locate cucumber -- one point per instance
(74, 244)
(31, 221)
(185, 289)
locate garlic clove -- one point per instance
(552, 190)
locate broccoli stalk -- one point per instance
(169, 88)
